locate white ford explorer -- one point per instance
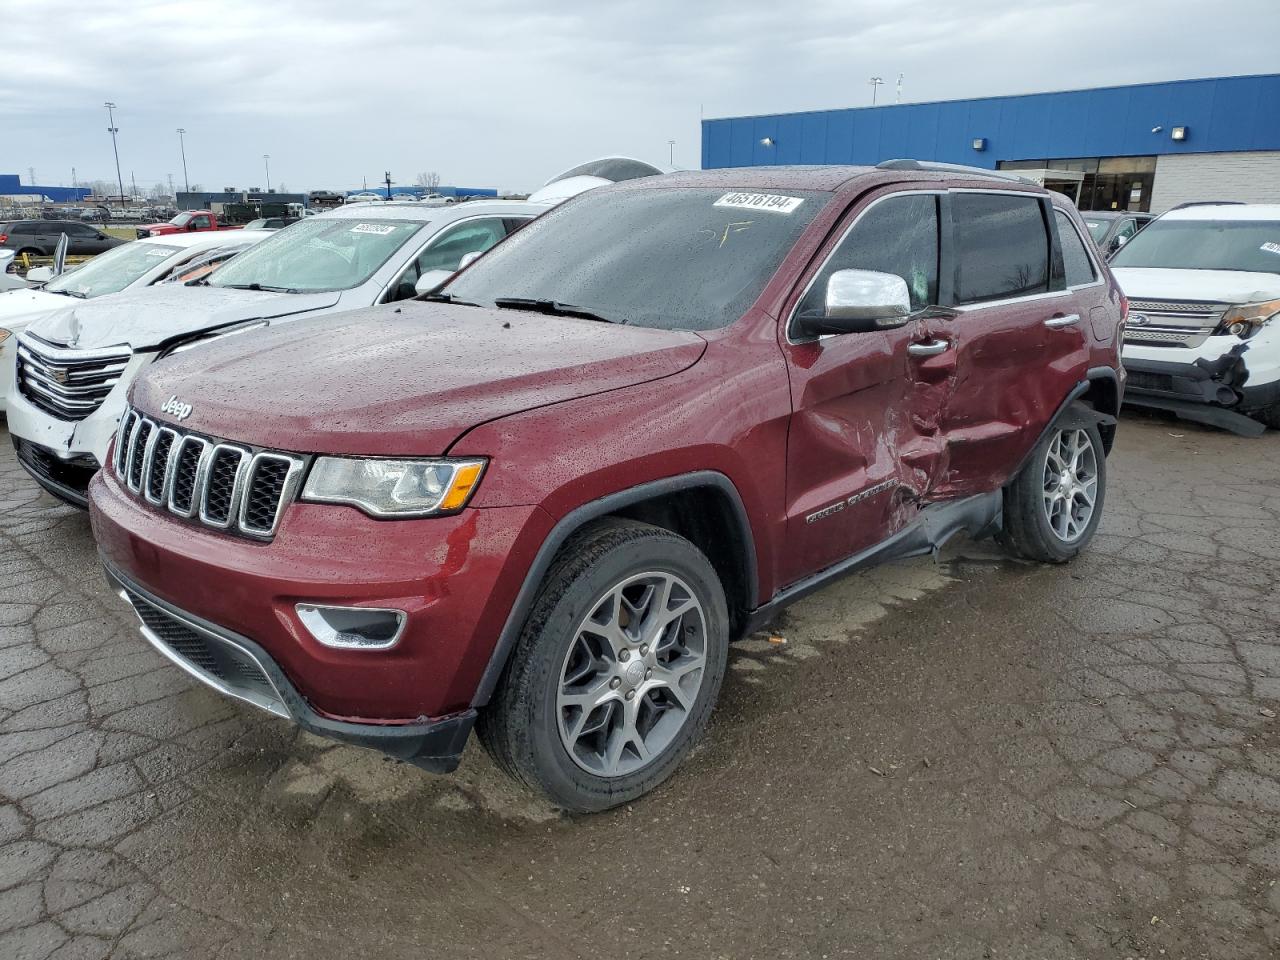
(1203, 335)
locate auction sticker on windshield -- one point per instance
(773, 202)
(381, 229)
(1270, 247)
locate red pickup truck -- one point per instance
(189, 221)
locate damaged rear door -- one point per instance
(1020, 336)
(863, 443)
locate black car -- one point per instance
(39, 237)
(1112, 229)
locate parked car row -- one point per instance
(370, 477)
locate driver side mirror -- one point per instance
(469, 258)
(858, 301)
(431, 280)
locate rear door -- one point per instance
(1020, 336)
(863, 443)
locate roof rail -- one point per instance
(937, 166)
(1209, 203)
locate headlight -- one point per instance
(1248, 318)
(394, 488)
(5, 334)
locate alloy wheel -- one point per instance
(632, 674)
(1070, 483)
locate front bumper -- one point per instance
(455, 578)
(237, 667)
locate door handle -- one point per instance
(929, 348)
(1057, 323)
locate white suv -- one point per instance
(74, 366)
(1203, 338)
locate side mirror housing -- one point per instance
(431, 280)
(40, 275)
(469, 258)
(858, 301)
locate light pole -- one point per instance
(113, 130)
(266, 163)
(875, 87)
(182, 145)
(671, 154)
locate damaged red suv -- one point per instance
(542, 501)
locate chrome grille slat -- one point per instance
(221, 485)
(65, 383)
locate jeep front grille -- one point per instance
(218, 484)
(65, 383)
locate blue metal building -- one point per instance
(1146, 146)
(11, 186)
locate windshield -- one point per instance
(1097, 229)
(677, 258)
(181, 220)
(323, 253)
(113, 270)
(1251, 245)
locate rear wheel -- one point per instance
(1052, 508)
(617, 669)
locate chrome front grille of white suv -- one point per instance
(221, 485)
(1172, 323)
(66, 383)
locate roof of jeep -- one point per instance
(1226, 211)
(813, 177)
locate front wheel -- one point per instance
(1052, 508)
(617, 669)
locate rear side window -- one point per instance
(897, 235)
(1075, 261)
(1001, 245)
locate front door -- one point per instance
(863, 445)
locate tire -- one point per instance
(1268, 416)
(1037, 494)
(533, 728)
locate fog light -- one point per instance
(1238, 329)
(352, 628)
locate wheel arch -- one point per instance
(704, 507)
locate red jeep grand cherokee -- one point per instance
(544, 500)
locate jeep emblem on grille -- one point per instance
(177, 408)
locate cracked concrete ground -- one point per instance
(971, 758)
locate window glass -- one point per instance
(1126, 230)
(112, 271)
(1002, 246)
(680, 258)
(446, 251)
(200, 222)
(1097, 229)
(898, 235)
(1249, 245)
(1079, 268)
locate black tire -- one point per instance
(520, 727)
(1268, 416)
(1026, 530)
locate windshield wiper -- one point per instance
(260, 287)
(78, 294)
(552, 308)
(447, 298)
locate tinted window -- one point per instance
(1002, 246)
(687, 258)
(446, 251)
(898, 235)
(1078, 266)
(1252, 245)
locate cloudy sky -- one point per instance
(507, 92)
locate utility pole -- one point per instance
(387, 177)
(133, 181)
(899, 97)
(876, 83)
(75, 184)
(183, 147)
(113, 129)
(31, 176)
(266, 163)
(171, 193)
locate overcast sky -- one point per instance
(507, 92)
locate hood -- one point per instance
(1217, 286)
(28, 303)
(158, 227)
(402, 380)
(149, 316)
